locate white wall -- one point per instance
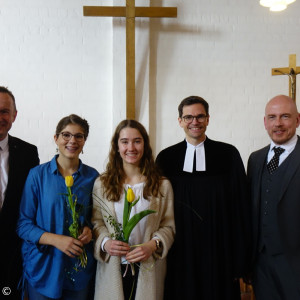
(58, 62)
(224, 50)
(52, 60)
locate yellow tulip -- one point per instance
(69, 181)
(130, 195)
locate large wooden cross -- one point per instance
(130, 11)
(292, 72)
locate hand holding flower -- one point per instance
(86, 236)
(116, 248)
(68, 245)
(141, 252)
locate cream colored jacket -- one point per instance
(152, 272)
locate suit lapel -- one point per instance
(12, 154)
(259, 165)
(291, 169)
(12, 167)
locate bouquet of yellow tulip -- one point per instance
(129, 224)
(122, 233)
(75, 210)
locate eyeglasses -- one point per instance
(189, 118)
(67, 136)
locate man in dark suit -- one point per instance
(274, 177)
(16, 159)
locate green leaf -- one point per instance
(73, 229)
(126, 210)
(135, 202)
(134, 220)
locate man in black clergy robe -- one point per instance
(17, 157)
(212, 240)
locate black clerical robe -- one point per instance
(212, 224)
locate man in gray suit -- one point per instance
(274, 177)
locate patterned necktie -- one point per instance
(274, 162)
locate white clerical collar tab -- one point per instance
(189, 158)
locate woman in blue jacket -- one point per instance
(51, 263)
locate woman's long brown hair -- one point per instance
(114, 176)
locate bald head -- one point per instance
(281, 100)
(281, 119)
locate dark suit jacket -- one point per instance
(22, 157)
(288, 210)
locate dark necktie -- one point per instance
(274, 162)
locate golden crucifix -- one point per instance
(292, 72)
(130, 12)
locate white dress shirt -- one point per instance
(289, 146)
(4, 168)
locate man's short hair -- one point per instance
(5, 90)
(192, 100)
